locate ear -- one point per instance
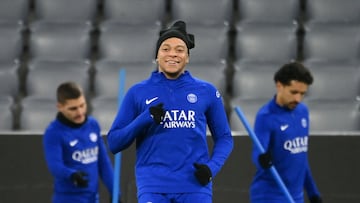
(279, 86)
(58, 106)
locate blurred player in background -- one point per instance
(74, 150)
(282, 127)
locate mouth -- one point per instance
(172, 62)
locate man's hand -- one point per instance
(79, 179)
(265, 160)
(157, 113)
(315, 199)
(202, 173)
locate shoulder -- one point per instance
(93, 121)
(205, 85)
(302, 108)
(52, 130)
(265, 110)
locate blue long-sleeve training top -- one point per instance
(69, 149)
(166, 152)
(284, 133)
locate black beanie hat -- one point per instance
(178, 30)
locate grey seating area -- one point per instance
(239, 44)
(134, 12)
(237, 50)
(11, 42)
(202, 12)
(6, 116)
(275, 11)
(14, 12)
(333, 11)
(66, 11)
(127, 43)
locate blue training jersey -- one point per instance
(69, 149)
(166, 152)
(284, 133)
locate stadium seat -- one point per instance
(253, 81)
(128, 43)
(333, 11)
(104, 109)
(9, 66)
(52, 41)
(6, 115)
(274, 11)
(9, 83)
(44, 77)
(211, 44)
(215, 73)
(268, 42)
(334, 116)
(37, 113)
(106, 80)
(14, 12)
(11, 42)
(65, 11)
(135, 12)
(201, 12)
(327, 42)
(334, 81)
(249, 108)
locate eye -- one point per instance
(180, 50)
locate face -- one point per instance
(172, 57)
(290, 95)
(74, 109)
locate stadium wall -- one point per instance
(334, 160)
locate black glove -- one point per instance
(157, 113)
(203, 173)
(315, 199)
(79, 179)
(265, 160)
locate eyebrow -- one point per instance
(179, 45)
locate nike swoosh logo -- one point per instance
(73, 143)
(284, 127)
(148, 101)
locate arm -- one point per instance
(221, 134)
(128, 124)
(106, 171)
(263, 133)
(53, 155)
(310, 186)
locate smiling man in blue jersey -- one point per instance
(74, 150)
(168, 115)
(282, 127)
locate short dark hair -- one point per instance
(68, 90)
(293, 71)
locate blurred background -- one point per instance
(239, 45)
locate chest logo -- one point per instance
(303, 122)
(93, 137)
(149, 101)
(284, 127)
(73, 143)
(192, 98)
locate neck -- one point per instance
(67, 122)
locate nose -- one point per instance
(298, 97)
(173, 53)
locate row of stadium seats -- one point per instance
(238, 50)
(199, 11)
